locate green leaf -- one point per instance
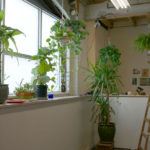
(53, 79)
(14, 42)
(2, 15)
(43, 67)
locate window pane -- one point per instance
(47, 23)
(17, 70)
(24, 17)
(68, 72)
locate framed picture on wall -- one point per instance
(145, 72)
(145, 81)
(136, 71)
(134, 81)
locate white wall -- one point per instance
(67, 126)
(123, 39)
(129, 115)
(46, 127)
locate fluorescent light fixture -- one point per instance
(115, 3)
(121, 4)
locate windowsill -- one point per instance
(60, 94)
(33, 104)
(57, 94)
(45, 103)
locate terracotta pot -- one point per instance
(25, 94)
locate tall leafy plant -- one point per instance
(6, 34)
(103, 79)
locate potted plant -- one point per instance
(44, 63)
(67, 34)
(6, 34)
(25, 91)
(103, 81)
(142, 42)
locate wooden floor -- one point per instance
(114, 149)
(120, 149)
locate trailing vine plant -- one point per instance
(67, 35)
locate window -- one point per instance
(17, 70)
(24, 17)
(47, 23)
(36, 24)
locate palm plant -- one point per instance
(103, 81)
(104, 77)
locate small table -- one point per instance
(105, 146)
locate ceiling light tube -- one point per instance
(120, 3)
(123, 3)
(126, 3)
(115, 4)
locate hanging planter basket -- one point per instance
(64, 39)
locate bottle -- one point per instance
(63, 87)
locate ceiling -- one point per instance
(88, 2)
(106, 12)
(103, 9)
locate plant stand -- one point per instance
(104, 146)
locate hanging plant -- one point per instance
(142, 42)
(67, 34)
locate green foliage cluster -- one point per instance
(44, 64)
(142, 42)
(24, 88)
(103, 81)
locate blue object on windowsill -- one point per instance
(50, 96)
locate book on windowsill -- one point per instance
(15, 101)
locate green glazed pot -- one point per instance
(106, 132)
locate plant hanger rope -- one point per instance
(62, 4)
